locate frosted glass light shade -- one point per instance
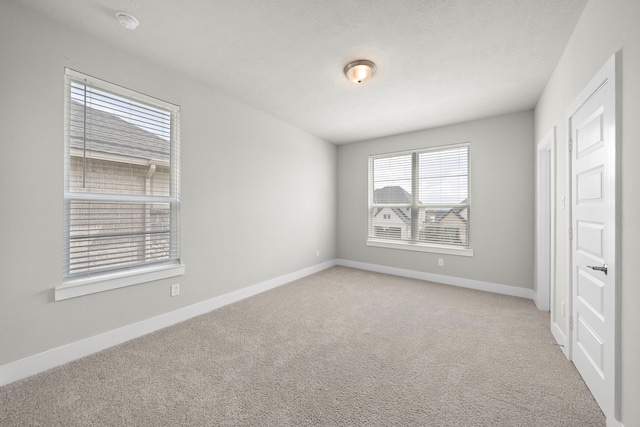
(360, 71)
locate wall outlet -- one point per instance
(440, 262)
(175, 290)
(318, 252)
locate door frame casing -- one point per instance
(546, 223)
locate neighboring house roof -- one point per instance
(441, 215)
(399, 212)
(458, 211)
(396, 194)
(393, 194)
(110, 134)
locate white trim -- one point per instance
(439, 278)
(561, 339)
(40, 362)
(611, 422)
(411, 246)
(91, 285)
(545, 223)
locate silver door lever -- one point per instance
(603, 268)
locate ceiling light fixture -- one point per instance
(128, 21)
(359, 71)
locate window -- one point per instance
(420, 200)
(122, 187)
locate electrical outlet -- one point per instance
(175, 290)
(441, 262)
(318, 252)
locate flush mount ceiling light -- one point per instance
(359, 71)
(128, 21)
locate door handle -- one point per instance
(603, 268)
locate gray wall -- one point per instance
(259, 196)
(605, 27)
(502, 200)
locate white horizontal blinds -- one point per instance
(108, 235)
(116, 142)
(443, 181)
(392, 180)
(444, 176)
(121, 179)
(390, 212)
(421, 196)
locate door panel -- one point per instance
(591, 344)
(590, 292)
(589, 185)
(590, 239)
(590, 134)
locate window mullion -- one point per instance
(84, 136)
(415, 197)
(118, 197)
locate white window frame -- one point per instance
(102, 281)
(413, 245)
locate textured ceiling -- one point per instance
(439, 61)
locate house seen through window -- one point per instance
(420, 197)
(121, 179)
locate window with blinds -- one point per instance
(122, 188)
(420, 197)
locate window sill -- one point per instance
(410, 246)
(86, 286)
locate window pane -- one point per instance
(392, 179)
(111, 235)
(444, 226)
(443, 176)
(116, 144)
(392, 223)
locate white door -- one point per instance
(592, 125)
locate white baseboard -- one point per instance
(560, 338)
(41, 362)
(439, 278)
(541, 302)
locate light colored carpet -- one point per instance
(341, 347)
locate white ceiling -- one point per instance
(439, 61)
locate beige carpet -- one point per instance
(341, 347)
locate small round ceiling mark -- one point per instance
(127, 20)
